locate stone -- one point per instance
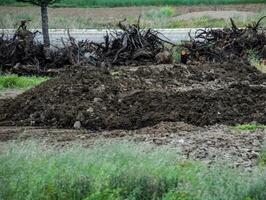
(77, 125)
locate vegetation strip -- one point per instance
(32, 170)
(14, 81)
(116, 3)
(247, 127)
(163, 17)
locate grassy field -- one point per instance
(119, 170)
(14, 81)
(164, 17)
(114, 3)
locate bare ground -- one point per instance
(206, 143)
(10, 93)
(209, 144)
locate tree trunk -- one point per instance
(45, 28)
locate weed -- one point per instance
(249, 127)
(262, 157)
(14, 81)
(118, 170)
(163, 12)
(255, 61)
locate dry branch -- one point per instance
(216, 45)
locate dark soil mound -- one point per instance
(131, 98)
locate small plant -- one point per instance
(262, 157)
(255, 60)
(174, 195)
(167, 11)
(163, 12)
(14, 81)
(249, 127)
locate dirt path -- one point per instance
(10, 93)
(210, 144)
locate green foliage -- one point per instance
(163, 12)
(262, 157)
(113, 3)
(175, 195)
(167, 11)
(254, 59)
(116, 171)
(246, 127)
(14, 81)
(106, 194)
(39, 2)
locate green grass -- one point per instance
(117, 171)
(163, 12)
(255, 61)
(262, 157)
(14, 81)
(246, 127)
(113, 3)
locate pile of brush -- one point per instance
(131, 45)
(217, 45)
(22, 54)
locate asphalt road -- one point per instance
(174, 35)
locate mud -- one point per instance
(135, 97)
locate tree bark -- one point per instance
(45, 28)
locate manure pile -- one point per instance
(134, 97)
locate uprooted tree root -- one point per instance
(23, 55)
(216, 45)
(131, 45)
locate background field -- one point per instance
(113, 3)
(151, 16)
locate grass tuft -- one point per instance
(249, 127)
(262, 156)
(163, 12)
(118, 170)
(255, 61)
(15, 81)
